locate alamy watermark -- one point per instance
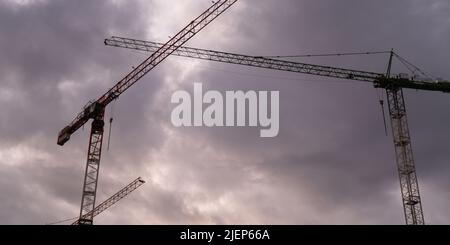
(241, 109)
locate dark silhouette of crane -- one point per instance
(108, 202)
(96, 110)
(114, 198)
(392, 84)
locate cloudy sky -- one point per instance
(330, 164)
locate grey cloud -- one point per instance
(331, 163)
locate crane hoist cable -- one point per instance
(379, 93)
(111, 118)
(328, 55)
(381, 100)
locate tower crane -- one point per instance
(113, 199)
(96, 110)
(393, 85)
(110, 201)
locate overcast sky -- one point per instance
(330, 164)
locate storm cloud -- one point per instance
(330, 164)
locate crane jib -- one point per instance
(379, 80)
(175, 42)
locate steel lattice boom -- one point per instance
(394, 89)
(147, 65)
(113, 199)
(409, 185)
(379, 79)
(95, 110)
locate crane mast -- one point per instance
(92, 168)
(96, 110)
(409, 186)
